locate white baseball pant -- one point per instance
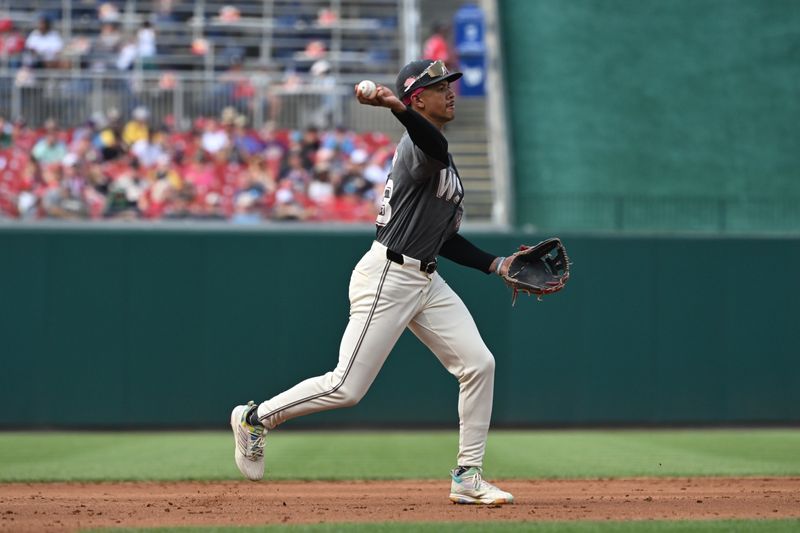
(385, 298)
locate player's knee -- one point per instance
(482, 366)
(486, 366)
(350, 397)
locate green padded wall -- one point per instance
(654, 114)
(142, 328)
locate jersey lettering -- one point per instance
(449, 185)
(385, 212)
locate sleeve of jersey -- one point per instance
(424, 135)
(461, 251)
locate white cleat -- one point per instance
(471, 488)
(249, 443)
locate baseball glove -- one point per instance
(541, 269)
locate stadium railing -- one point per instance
(73, 97)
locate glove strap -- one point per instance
(499, 265)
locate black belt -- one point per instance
(429, 267)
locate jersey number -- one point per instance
(385, 212)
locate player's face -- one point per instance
(440, 102)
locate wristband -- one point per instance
(499, 265)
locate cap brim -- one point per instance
(453, 76)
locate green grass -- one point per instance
(68, 456)
(726, 526)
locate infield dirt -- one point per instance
(73, 506)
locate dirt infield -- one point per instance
(72, 506)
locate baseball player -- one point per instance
(395, 285)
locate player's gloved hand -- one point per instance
(540, 269)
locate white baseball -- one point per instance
(367, 88)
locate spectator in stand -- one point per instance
(51, 191)
(295, 172)
(44, 45)
(106, 47)
(97, 189)
(179, 205)
(109, 138)
(80, 152)
(310, 144)
(251, 191)
(24, 138)
(108, 12)
(215, 138)
(200, 174)
(64, 197)
(165, 170)
(49, 149)
(235, 85)
(437, 46)
(340, 141)
(27, 205)
(244, 144)
(289, 202)
(82, 147)
(228, 124)
(75, 181)
(353, 182)
(349, 206)
(6, 133)
(375, 173)
(323, 80)
(146, 41)
(136, 129)
(125, 192)
(12, 44)
(273, 149)
(246, 210)
(87, 130)
(321, 190)
(258, 172)
(151, 150)
(128, 53)
(164, 185)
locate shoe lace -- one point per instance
(481, 484)
(255, 440)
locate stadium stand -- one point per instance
(283, 66)
(218, 170)
(357, 36)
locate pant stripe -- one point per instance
(352, 357)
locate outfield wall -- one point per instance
(662, 115)
(134, 327)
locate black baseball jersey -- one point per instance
(421, 203)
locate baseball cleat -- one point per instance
(249, 443)
(470, 488)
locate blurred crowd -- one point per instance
(219, 169)
(121, 164)
(102, 36)
(44, 47)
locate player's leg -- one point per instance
(448, 329)
(383, 298)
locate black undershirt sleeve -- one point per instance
(461, 251)
(424, 134)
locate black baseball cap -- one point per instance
(422, 73)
